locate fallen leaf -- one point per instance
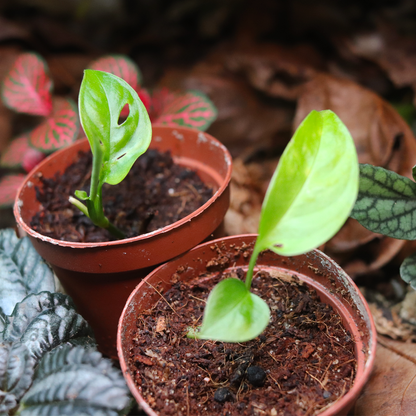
(391, 389)
(275, 70)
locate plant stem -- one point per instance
(252, 263)
(79, 205)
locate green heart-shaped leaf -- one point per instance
(233, 313)
(313, 188)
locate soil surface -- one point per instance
(303, 361)
(156, 192)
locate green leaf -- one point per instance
(44, 321)
(386, 203)
(408, 270)
(233, 313)
(313, 188)
(16, 373)
(81, 195)
(101, 99)
(75, 381)
(22, 270)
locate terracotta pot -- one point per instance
(315, 269)
(100, 276)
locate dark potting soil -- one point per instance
(303, 361)
(156, 192)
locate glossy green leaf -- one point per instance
(101, 99)
(22, 270)
(386, 203)
(233, 313)
(75, 381)
(16, 373)
(313, 188)
(44, 321)
(408, 270)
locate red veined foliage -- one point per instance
(27, 86)
(190, 109)
(9, 186)
(58, 130)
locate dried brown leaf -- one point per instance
(391, 389)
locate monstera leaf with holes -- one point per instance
(22, 271)
(386, 204)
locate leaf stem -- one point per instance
(251, 264)
(79, 205)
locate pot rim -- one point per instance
(168, 228)
(334, 408)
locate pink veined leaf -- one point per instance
(119, 65)
(59, 130)
(12, 156)
(27, 86)
(145, 97)
(9, 186)
(31, 158)
(190, 109)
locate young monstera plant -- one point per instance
(115, 147)
(386, 204)
(48, 361)
(310, 196)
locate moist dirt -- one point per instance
(156, 192)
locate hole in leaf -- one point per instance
(124, 113)
(121, 156)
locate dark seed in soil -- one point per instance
(256, 376)
(223, 395)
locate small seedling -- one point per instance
(310, 196)
(386, 204)
(115, 147)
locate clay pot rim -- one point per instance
(332, 410)
(166, 229)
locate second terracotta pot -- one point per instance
(100, 276)
(317, 270)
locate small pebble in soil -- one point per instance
(256, 376)
(326, 394)
(223, 395)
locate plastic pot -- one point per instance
(317, 270)
(100, 276)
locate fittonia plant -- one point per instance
(115, 147)
(310, 196)
(27, 88)
(386, 204)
